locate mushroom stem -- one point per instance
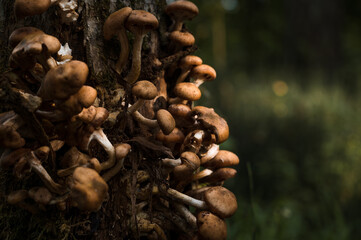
(186, 214)
(146, 121)
(112, 172)
(135, 106)
(185, 199)
(183, 75)
(35, 165)
(169, 162)
(102, 139)
(136, 59)
(124, 53)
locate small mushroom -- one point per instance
(114, 25)
(190, 163)
(88, 189)
(223, 158)
(63, 81)
(18, 198)
(139, 22)
(10, 138)
(186, 64)
(164, 121)
(181, 11)
(40, 195)
(219, 175)
(20, 33)
(185, 91)
(179, 40)
(121, 151)
(143, 90)
(211, 227)
(202, 73)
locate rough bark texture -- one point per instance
(116, 218)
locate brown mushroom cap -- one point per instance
(223, 158)
(10, 138)
(88, 189)
(221, 201)
(179, 110)
(20, 33)
(73, 157)
(190, 61)
(165, 121)
(122, 150)
(141, 22)
(211, 227)
(101, 115)
(182, 39)
(144, 90)
(17, 196)
(64, 80)
(25, 8)
(182, 10)
(210, 120)
(115, 22)
(187, 91)
(9, 160)
(190, 163)
(203, 72)
(220, 175)
(176, 136)
(40, 195)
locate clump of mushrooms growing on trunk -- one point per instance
(59, 132)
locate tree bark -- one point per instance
(116, 219)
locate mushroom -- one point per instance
(143, 90)
(18, 198)
(206, 118)
(190, 163)
(164, 121)
(223, 158)
(40, 195)
(20, 33)
(88, 189)
(121, 151)
(139, 22)
(211, 227)
(179, 40)
(180, 11)
(10, 138)
(181, 113)
(172, 139)
(63, 81)
(114, 25)
(218, 175)
(186, 64)
(185, 91)
(25, 8)
(202, 73)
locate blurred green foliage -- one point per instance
(288, 76)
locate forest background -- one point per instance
(288, 83)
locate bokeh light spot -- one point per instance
(280, 88)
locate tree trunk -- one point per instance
(116, 219)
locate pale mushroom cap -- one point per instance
(88, 190)
(141, 22)
(145, 90)
(190, 61)
(210, 120)
(20, 33)
(211, 227)
(221, 201)
(182, 10)
(184, 39)
(64, 80)
(203, 72)
(223, 158)
(166, 121)
(25, 8)
(115, 22)
(187, 91)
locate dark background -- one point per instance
(288, 74)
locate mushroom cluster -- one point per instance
(59, 132)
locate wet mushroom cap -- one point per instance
(20, 33)
(144, 90)
(115, 22)
(182, 10)
(141, 22)
(64, 80)
(223, 158)
(204, 72)
(221, 201)
(211, 227)
(209, 119)
(25, 8)
(166, 121)
(187, 91)
(183, 39)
